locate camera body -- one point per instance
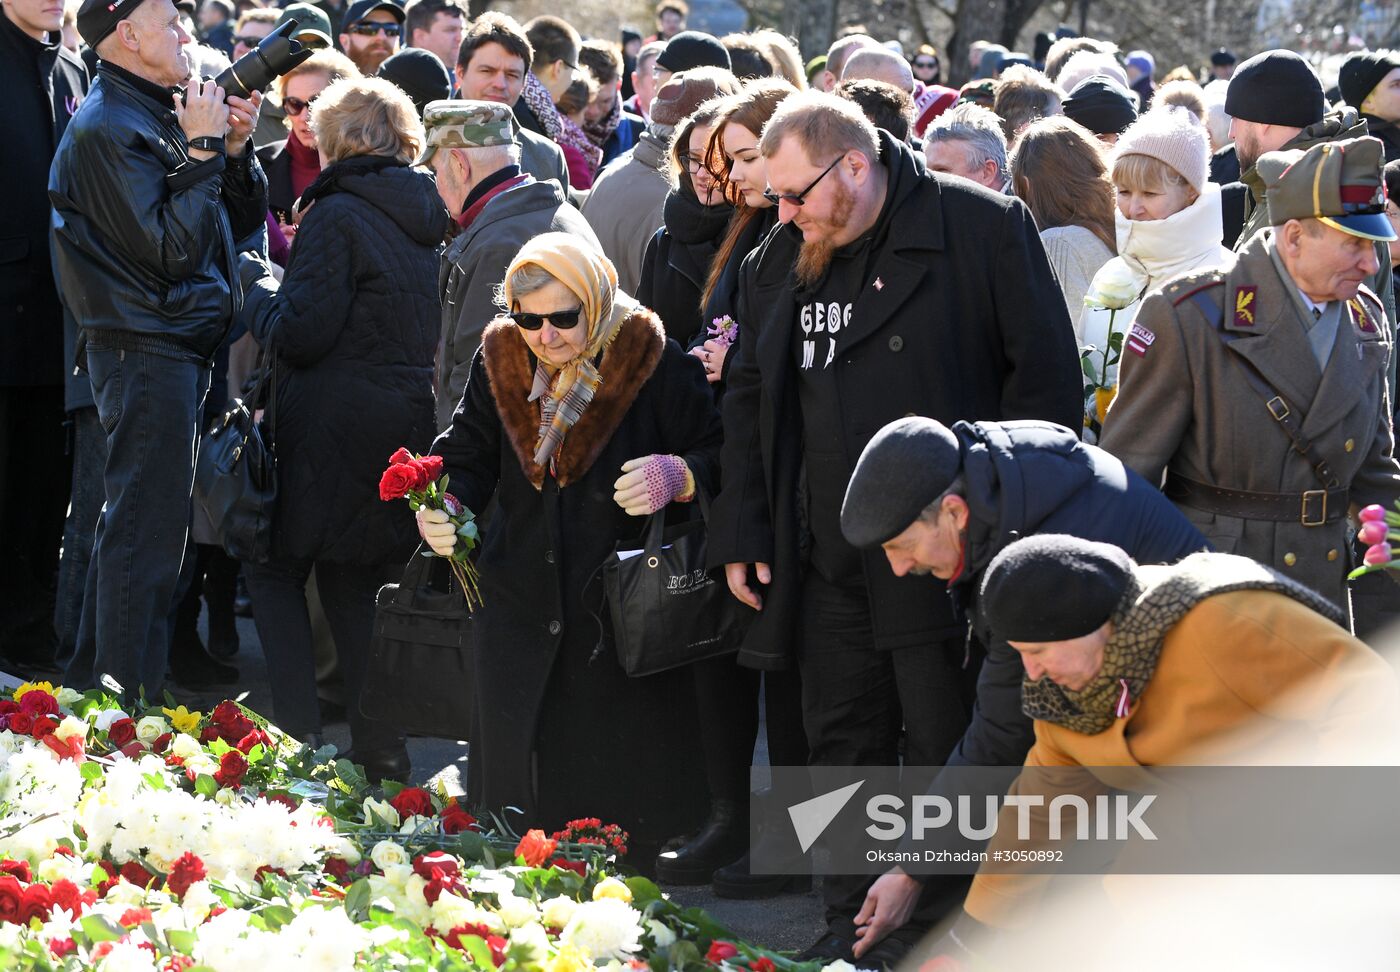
(277, 54)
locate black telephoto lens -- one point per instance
(275, 56)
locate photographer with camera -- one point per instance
(150, 186)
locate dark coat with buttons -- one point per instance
(600, 743)
(44, 84)
(354, 324)
(1184, 405)
(960, 318)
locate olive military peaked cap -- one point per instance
(1338, 183)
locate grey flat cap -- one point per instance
(905, 467)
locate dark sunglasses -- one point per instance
(562, 320)
(247, 41)
(371, 28)
(797, 199)
(926, 64)
(295, 106)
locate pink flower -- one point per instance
(1372, 532)
(1375, 513)
(1377, 555)
(452, 504)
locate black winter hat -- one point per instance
(420, 74)
(693, 48)
(98, 18)
(1362, 71)
(905, 467)
(1275, 88)
(1053, 587)
(1101, 105)
(1222, 57)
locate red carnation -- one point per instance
(413, 801)
(535, 848)
(721, 952)
(186, 870)
(19, 869)
(232, 767)
(121, 732)
(397, 480)
(67, 896)
(137, 874)
(37, 702)
(36, 903)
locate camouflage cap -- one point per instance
(466, 124)
(1337, 183)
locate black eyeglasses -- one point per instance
(295, 106)
(370, 28)
(797, 199)
(691, 163)
(562, 320)
(926, 64)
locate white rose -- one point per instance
(226, 797)
(106, 717)
(387, 854)
(67, 697)
(556, 912)
(660, 933)
(373, 807)
(151, 728)
(840, 965)
(516, 911)
(533, 939)
(185, 746)
(71, 728)
(1115, 286)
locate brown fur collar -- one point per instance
(627, 364)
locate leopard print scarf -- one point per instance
(1155, 600)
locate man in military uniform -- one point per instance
(1256, 394)
(473, 148)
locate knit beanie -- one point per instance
(419, 74)
(691, 49)
(1141, 60)
(1053, 587)
(1174, 137)
(1101, 105)
(1362, 71)
(1276, 88)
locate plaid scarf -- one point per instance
(560, 130)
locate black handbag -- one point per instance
(666, 608)
(235, 476)
(421, 676)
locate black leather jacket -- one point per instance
(143, 234)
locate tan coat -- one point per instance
(1245, 678)
(1184, 405)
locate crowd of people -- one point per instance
(889, 326)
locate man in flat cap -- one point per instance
(151, 186)
(474, 151)
(1275, 102)
(944, 501)
(1256, 393)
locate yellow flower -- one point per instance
(1103, 397)
(183, 719)
(569, 958)
(611, 887)
(32, 686)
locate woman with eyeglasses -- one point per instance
(927, 69)
(354, 326)
(696, 215)
(293, 164)
(727, 693)
(580, 418)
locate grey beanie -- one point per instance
(905, 467)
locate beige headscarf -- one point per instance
(591, 278)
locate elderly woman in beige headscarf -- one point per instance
(579, 417)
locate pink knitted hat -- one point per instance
(1174, 137)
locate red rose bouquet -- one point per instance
(420, 480)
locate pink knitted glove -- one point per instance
(649, 483)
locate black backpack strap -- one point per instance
(1207, 302)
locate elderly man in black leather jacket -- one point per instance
(150, 187)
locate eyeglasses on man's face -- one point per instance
(798, 198)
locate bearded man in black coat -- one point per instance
(885, 291)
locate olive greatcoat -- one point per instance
(1183, 405)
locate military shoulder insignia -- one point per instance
(1363, 320)
(1244, 306)
(1139, 340)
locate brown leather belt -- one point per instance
(1314, 507)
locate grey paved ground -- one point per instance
(788, 922)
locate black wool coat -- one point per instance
(960, 317)
(677, 263)
(354, 325)
(43, 84)
(563, 734)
